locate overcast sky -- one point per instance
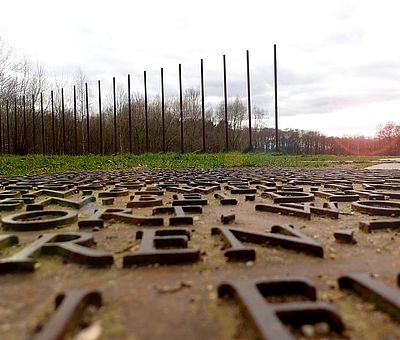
(338, 61)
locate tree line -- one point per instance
(385, 142)
(34, 119)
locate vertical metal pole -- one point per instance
(1, 135)
(249, 99)
(42, 121)
(202, 105)
(146, 112)
(87, 118)
(276, 101)
(130, 113)
(225, 106)
(115, 118)
(100, 121)
(75, 125)
(15, 126)
(181, 105)
(163, 109)
(24, 117)
(8, 128)
(63, 119)
(53, 124)
(33, 124)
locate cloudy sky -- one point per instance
(339, 61)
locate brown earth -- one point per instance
(181, 301)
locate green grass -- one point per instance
(14, 165)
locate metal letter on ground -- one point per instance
(179, 218)
(237, 251)
(72, 246)
(38, 220)
(285, 236)
(152, 248)
(69, 309)
(269, 318)
(382, 296)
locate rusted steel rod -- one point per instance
(276, 100)
(163, 109)
(202, 105)
(75, 125)
(100, 121)
(15, 126)
(225, 105)
(146, 112)
(63, 119)
(24, 122)
(249, 98)
(8, 128)
(33, 124)
(53, 127)
(181, 105)
(130, 114)
(115, 119)
(42, 122)
(87, 117)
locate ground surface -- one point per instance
(180, 301)
(387, 163)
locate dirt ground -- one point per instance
(180, 301)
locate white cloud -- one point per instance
(336, 58)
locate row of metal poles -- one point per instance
(44, 151)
